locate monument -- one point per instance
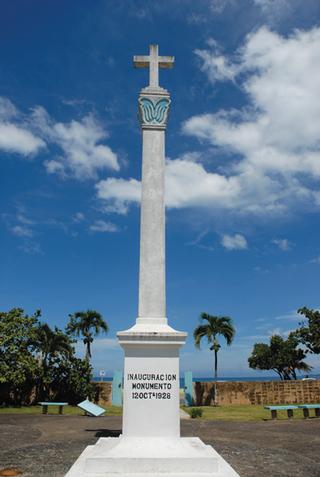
(150, 443)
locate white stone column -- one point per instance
(151, 365)
(154, 105)
(152, 306)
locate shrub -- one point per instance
(196, 412)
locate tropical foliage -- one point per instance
(280, 355)
(18, 365)
(39, 363)
(212, 327)
(309, 331)
(86, 324)
(52, 347)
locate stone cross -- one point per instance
(154, 103)
(150, 444)
(153, 62)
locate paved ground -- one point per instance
(46, 446)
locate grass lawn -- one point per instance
(68, 410)
(220, 413)
(242, 413)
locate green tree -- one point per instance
(86, 324)
(71, 379)
(280, 355)
(213, 327)
(50, 344)
(309, 331)
(18, 366)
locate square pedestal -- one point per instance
(151, 444)
(151, 381)
(155, 457)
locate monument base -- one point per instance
(155, 457)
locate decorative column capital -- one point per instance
(154, 106)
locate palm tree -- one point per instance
(86, 324)
(214, 326)
(50, 344)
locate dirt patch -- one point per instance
(10, 472)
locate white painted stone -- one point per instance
(152, 306)
(151, 383)
(141, 457)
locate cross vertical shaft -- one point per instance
(154, 68)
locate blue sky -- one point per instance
(242, 174)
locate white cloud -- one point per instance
(82, 154)
(17, 140)
(55, 167)
(19, 224)
(31, 248)
(261, 270)
(316, 260)
(279, 331)
(290, 316)
(277, 135)
(274, 10)
(15, 133)
(106, 354)
(283, 244)
(118, 194)
(215, 65)
(21, 231)
(23, 228)
(217, 6)
(271, 147)
(187, 185)
(8, 111)
(24, 220)
(102, 226)
(80, 141)
(234, 242)
(78, 217)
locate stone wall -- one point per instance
(103, 393)
(268, 392)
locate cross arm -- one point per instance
(166, 61)
(141, 61)
(144, 61)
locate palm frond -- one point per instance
(199, 333)
(217, 325)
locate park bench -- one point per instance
(274, 410)
(46, 404)
(306, 407)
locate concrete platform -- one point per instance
(138, 456)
